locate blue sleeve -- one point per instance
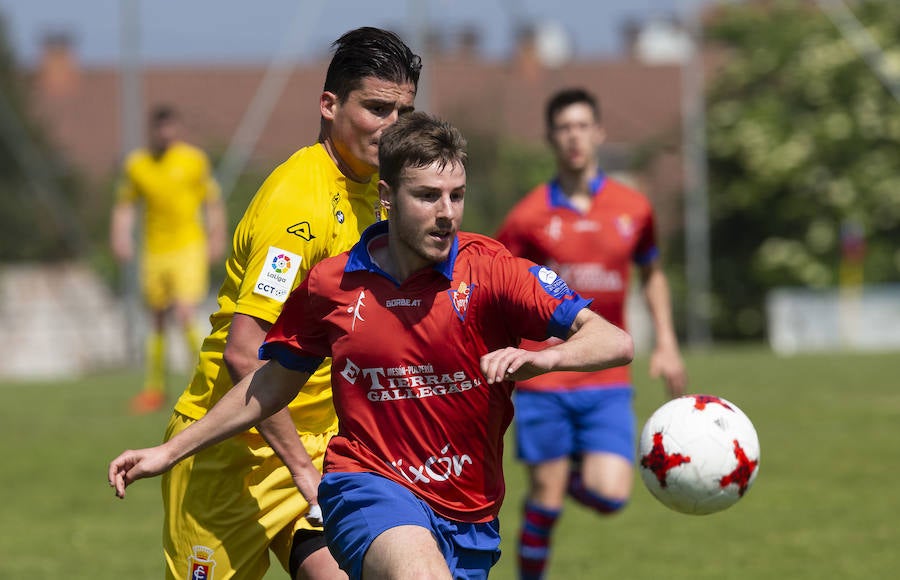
(289, 358)
(565, 314)
(646, 257)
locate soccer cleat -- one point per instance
(147, 402)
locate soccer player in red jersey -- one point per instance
(422, 323)
(590, 229)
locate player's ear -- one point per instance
(599, 134)
(328, 103)
(384, 194)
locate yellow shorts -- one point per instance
(228, 505)
(180, 277)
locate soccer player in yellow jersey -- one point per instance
(184, 227)
(228, 506)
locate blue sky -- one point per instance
(244, 31)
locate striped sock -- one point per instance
(596, 502)
(534, 541)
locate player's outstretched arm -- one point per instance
(257, 396)
(593, 344)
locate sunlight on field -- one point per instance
(818, 509)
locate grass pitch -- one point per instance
(824, 504)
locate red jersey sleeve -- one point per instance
(293, 349)
(534, 302)
(517, 230)
(646, 250)
(509, 235)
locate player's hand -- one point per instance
(133, 465)
(307, 480)
(516, 364)
(314, 515)
(667, 363)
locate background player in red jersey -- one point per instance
(590, 229)
(421, 322)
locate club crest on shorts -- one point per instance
(459, 299)
(201, 564)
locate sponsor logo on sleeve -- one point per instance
(276, 279)
(302, 231)
(550, 281)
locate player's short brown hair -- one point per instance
(417, 140)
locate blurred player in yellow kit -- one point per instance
(183, 229)
(226, 507)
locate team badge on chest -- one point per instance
(625, 225)
(460, 298)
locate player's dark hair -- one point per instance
(370, 52)
(568, 97)
(163, 114)
(418, 140)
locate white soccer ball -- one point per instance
(699, 454)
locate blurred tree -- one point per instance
(37, 219)
(804, 139)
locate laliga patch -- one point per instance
(550, 281)
(276, 279)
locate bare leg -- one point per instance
(405, 553)
(320, 565)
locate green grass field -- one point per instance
(825, 503)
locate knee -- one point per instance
(602, 504)
(602, 501)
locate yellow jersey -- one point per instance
(304, 212)
(173, 187)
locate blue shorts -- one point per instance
(358, 507)
(554, 424)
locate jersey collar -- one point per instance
(361, 259)
(557, 196)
